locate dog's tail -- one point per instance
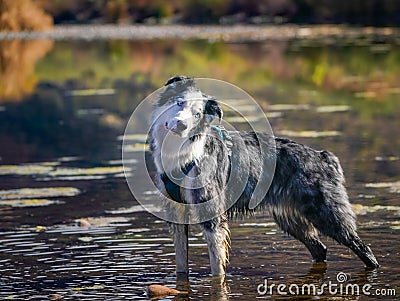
(333, 163)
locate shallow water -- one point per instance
(69, 226)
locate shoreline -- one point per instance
(234, 33)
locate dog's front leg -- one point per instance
(180, 233)
(217, 235)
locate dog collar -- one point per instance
(225, 137)
(219, 130)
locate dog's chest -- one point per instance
(182, 185)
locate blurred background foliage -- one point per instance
(95, 86)
(99, 82)
(364, 69)
(40, 13)
(16, 15)
(368, 12)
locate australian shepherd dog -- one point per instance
(306, 196)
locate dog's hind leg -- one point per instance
(217, 235)
(350, 239)
(360, 249)
(180, 233)
(302, 230)
(335, 218)
(343, 230)
(316, 248)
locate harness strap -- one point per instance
(219, 130)
(173, 188)
(226, 138)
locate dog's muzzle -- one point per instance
(176, 127)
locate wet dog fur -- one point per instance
(307, 195)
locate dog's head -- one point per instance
(186, 109)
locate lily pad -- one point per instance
(309, 134)
(239, 119)
(267, 225)
(26, 169)
(395, 225)
(137, 147)
(102, 221)
(28, 202)
(93, 287)
(244, 107)
(332, 109)
(394, 187)
(134, 209)
(288, 107)
(74, 178)
(134, 137)
(363, 209)
(32, 193)
(389, 158)
(86, 171)
(365, 94)
(119, 162)
(85, 238)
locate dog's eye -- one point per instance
(197, 115)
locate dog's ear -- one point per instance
(175, 79)
(175, 86)
(212, 109)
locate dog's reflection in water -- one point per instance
(219, 289)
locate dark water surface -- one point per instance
(69, 226)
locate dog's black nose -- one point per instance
(181, 126)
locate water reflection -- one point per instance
(17, 66)
(99, 243)
(49, 123)
(71, 102)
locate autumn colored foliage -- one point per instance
(17, 15)
(38, 14)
